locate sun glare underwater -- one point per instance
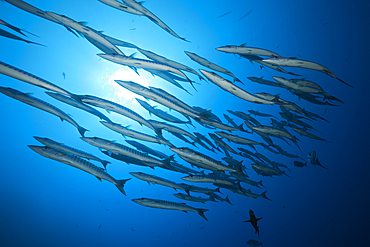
(234, 112)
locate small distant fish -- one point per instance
(224, 14)
(254, 243)
(64, 75)
(99, 227)
(250, 11)
(253, 220)
(299, 164)
(312, 158)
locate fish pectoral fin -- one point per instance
(247, 221)
(259, 218)
(98, 178)
(61, 119)
(185, 211)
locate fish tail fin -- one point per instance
(158, 131)
(201, 212)
(121, 184)
(228, 200)
(105, 163)
(82, 130)
(344, 82)
(264, 196)
(260, 183)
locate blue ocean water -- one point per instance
(48, 203)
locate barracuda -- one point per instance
(121, 149)
(233, 89)
(210, 178)
(159, 98)
(242, 49)
(77, 104)
(120, 6)
(60, 146)
(85, 31)
(152, 179)
(194, 198)
(81, 164)
(292, 62)
(125, 131)
(22, 75)
(156, 203)
(45, 106)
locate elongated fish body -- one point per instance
(81, 164)
(257, 113)
(262, 168)
(118, 5)
(141, 63)
(230, 121)
(245, 116)
(215, 164)
(15, 37)
(173, 98)
(156, 203)
(208, 64)
(222, 144)
(264, 82)
(310, 98)
(112, 106)
(195, 162)
(159, 98)
(193, 198)
(292, 85)
(202, 137)
(276, 132)
(161, 114)
(164, 60)
(14, 28)
(168, 77)
(22, 75)
(242, 49)
(292, 62)
(246, 180)
(60, 146)
(121, 149)
(219, 125)
(198, 189)
(128, 159)
(38, 103)
(307, 134)
(125, 131)
(151, 16)
(151, 179)
(31, 9)
(237, 139)
(86, 31)
(119, 42)
(210, 178)
(171, 128)
(146, 149)
(77, 104)
(233, 89)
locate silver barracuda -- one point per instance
(208, 64)
(173, 98)
(171, 128)
(193, 198)
(85, 31)
(141, 63)
(60, 146)
(125, 131)
(276, 132)
(118, 5)
(15, 37)
(219, 125)
(194, 162)
(230, 121)
(159, 98)
(307, 134)
(14, 28)
(128, 159)
(292, 62)
(201, 158)
(210, 178)
(120, 109)
(204, 138)
(164, 60)
(264, 82)
(247, 180)
(139, 7)
(146, 149)
(292, 85)
(152, 179)
(242, 49)
(245, 116)
(237, 139)
(156, 203)
(45, 106)
(81, 164)
(263, 168)
(77, 104)
(121, 149)
(168, 77)
(22, 75)
(233, 89)
(161, 114)
(222, 144)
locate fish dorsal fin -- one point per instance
(133, 55)
(98, 178)
(108, 111)
(243, 45)
(83, 23)
(141, 3)
(28, 94)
